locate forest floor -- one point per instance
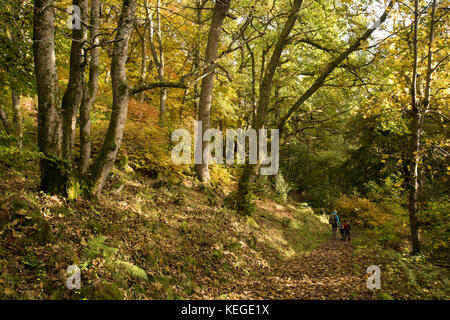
(327, 272)
(188, 243)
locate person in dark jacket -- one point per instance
(347, 230)
(342, 231)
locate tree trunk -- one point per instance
(413, 184)
(17, 117)
(143, 71)
(204, 115)
(73, 95)
(251, 170)
(89, 90)
(49, 112)
(107, 155)
(196, 55)
(15, 99)
(5, 121)
(158, 58)
(418, 110)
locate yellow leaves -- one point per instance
(8, 292)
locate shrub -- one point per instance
(436, 230)
(282, 188)
(145, 146)
(361, 211)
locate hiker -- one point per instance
(347, 230)
(342, 231)
(334, 221)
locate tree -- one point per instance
(265, 90)
(107, 155)
(420, 105)
(89, 89)
(206, 91)
(16, 64)
(74, 92)
(49, 109)
(56, 122)
(250, 171)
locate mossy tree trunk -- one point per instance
(90, 89)
(52, 167)
(107, 155)
(72, 97)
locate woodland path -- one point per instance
(327, 272)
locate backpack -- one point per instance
(332, 219)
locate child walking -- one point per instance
(342, 231)
(347, 230)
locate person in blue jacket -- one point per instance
(334, 221)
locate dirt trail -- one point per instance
(328, 272)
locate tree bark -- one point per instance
(204, 115)
(418, 110)
(107, 155)
(49, 110)
(143, 71)
(89, 90)
(158, 58)
(73, 95)
(196, 55)
(15, 99)
(17, 117)
(5, 121)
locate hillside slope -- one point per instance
(187, 242)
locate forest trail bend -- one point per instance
(327, 272)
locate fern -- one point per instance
(408, 273)
(132, 269)
(96, 246)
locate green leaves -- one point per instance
(132, 269)
(96, 246)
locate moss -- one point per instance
(107, 291)
(381, 295)
(27, 212)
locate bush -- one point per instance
(388, 236)
(145, 146)
(262, 186)
(436, 230)
(282, 188)
(361, 211)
